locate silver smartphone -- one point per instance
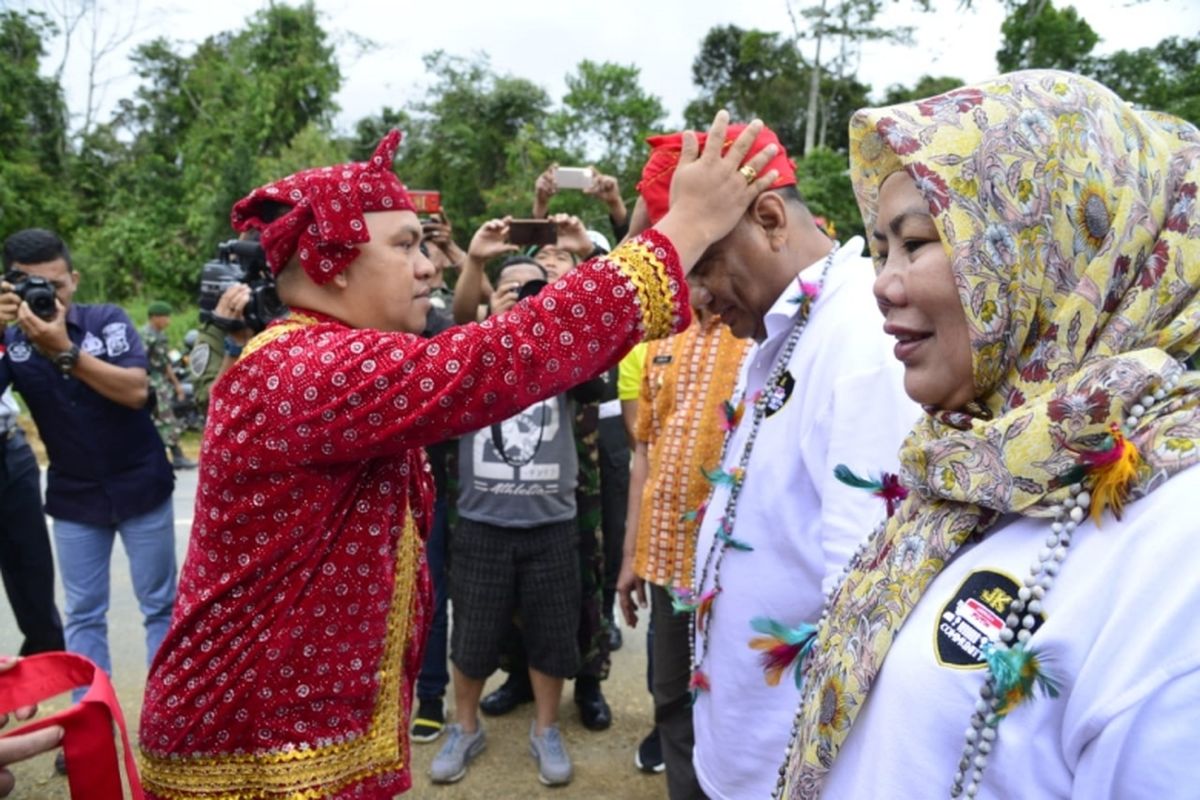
(574, 177)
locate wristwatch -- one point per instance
(67, 359)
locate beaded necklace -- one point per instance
(686, 600)
(1013, 668)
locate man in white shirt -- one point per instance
(836, 398)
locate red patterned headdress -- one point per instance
(655, 185)
(325, 222)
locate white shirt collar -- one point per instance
(783, 311)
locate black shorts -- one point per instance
(496, 572)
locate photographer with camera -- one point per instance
(215, 349)
(163, 382)
(237, 300)
(82, 371)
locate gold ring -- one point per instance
(748, 172)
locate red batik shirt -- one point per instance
(303, 602)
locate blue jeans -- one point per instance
(84, 553)
(431, 682)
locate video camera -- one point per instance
(239, 261)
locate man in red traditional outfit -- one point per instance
(302, 606)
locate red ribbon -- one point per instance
(92, 768)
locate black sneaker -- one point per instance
(60, 763)
(649, 757)
(429, 722)
(513, 692)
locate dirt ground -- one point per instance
(603, 761)
(604, 768)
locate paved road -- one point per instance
(603, 761)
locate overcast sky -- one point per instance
(544, 41)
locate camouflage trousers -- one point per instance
(168, 426)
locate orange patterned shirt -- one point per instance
(686, 379)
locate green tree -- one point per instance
(1165, 77)
(477, 137)
(758, 74)
(608, 115)
(824, 182)
(202, 129)
(846, 24)
(926, 86)
(34, 179)
(1039, 36)
(752, 74)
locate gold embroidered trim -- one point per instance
(637, 262)
(294, 321)
(316, 772)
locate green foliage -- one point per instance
(465, 134)
(1165, 77)
(144, 197)
(608, 115)
(823, 179)
(926, 86)
(1039, 36)
(184, 318)
(752, 74)
(201, 130)
(310, 147)
(33, 154)
(481, 139)
(842, 25)
(757, 74)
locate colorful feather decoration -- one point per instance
(725, 534)
(808, 293)
(683, 599)
(719, 477)
(699, 683)
(704, 608)
(1113, 467)
(888, 488)
(1016, 671)
(731, 415)
(783, 648)
(696, 515)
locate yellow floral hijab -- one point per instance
(1073, 230)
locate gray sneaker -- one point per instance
(450, 764)
(554, 765)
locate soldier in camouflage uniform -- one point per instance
(163, 382)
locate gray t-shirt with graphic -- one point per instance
(521, 472)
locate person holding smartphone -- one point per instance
(514, 551)
(603, 187)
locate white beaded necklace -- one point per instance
(723, 539)
(1021, 618)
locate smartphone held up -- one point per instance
(526, 232)
(574, 177)
(425, 202)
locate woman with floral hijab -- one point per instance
(1025, 625)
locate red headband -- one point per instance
(326, 221)
(655, 185)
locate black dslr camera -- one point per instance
(239, 261)
(36, 291)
